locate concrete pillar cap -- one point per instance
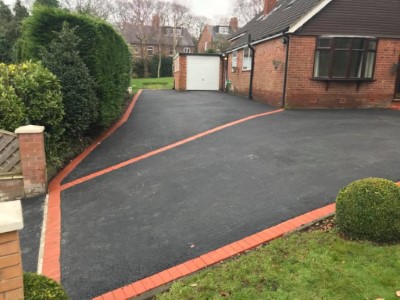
(29, 129)
(11, 218)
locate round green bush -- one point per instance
(38, 287)
(369, 209)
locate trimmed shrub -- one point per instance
(77, 87)
(369, 209)
(102, 49)
(12, 110)
(39, 93)
(166, 67)
(38, 287)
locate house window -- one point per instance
(177, 31)
(150, 50)
(223, 30)
(206, 46)
(247, 58)
(136, 50)
(186, 50)
(234, 61)
(168, 31)
(345, 58)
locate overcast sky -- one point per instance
(208, 8)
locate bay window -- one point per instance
(345, 58)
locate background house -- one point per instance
(319, 53)
(154, 38)
(216, 37)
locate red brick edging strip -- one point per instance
(165, 148)
(51, 254)
(211, 258)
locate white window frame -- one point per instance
(246, 65)
(136, 50)
(205, 46)
(150, 49)
(168, 31)
(234, 61)
(186, 50)
(177, 31)
(223, 30)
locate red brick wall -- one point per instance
(304, 92)
(33, 162)
(269, 66)
(11, 282)
(206, 36)
(180, 76)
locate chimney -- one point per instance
(233, 24)
(156, 21)
(269, 6)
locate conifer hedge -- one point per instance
(102, 49)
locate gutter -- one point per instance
(286, 38)
(253, 55)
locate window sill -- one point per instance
(328, 81)
(343, 79)
(246, 70)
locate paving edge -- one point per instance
(51, 252)
(141, 289)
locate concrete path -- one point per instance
(178, 204)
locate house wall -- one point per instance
(269, 68)
(180, 76)
(302, 91)
(206, 36)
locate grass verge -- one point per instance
(306, 265)
(152, 83)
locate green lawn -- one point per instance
(152, 83)
(308, 265)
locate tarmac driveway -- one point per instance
(161, 211)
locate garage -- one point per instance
(197, 72)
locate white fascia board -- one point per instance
(296, 26)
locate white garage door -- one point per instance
(202, 73)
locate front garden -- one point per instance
(354, 256)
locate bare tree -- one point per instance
(99, 8)
(246, 10)
(197, 24)
(161, 15)
(179, 17)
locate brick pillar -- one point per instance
(11, 274)
(33, 159)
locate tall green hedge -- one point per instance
(102, 49)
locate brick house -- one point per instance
(169, 36)
(216, 37)
(318, 54)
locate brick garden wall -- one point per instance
(11, 188)
(11, 281)
(304, 92)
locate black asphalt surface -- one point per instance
(161, 118)
(30, 235)
(146, 217)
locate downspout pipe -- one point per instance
(286, 41)
(253, 54)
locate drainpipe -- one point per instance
(253, 52)
(286, 41)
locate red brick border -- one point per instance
(51, 253)
(211, 258)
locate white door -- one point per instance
(202, 73)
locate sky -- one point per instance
(209, 8)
